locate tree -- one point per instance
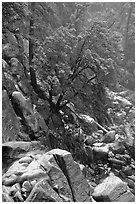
(72, 58)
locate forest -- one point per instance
(68, 102)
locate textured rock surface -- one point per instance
(126, 197)
(56, 175)
(10, 123)
(42, 177)
(43, 192)
(12, 151)
(5, 195)
(110, 189)
(109, 137)
(81, 189)
(101, 153)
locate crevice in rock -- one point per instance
(61, 163)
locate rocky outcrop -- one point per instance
(51, 176)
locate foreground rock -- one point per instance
(112, 189)
(78, 184)
(12, 151)
(45, 177)
(43, 192)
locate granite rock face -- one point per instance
(44, 177)
(112, 189)
(78, 184)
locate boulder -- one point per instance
(21, 103)
(58, 178)
(17, 68)
(117, 147)
(11, 151)
(90, 140)
(126, 197)
(130, 183)
(109, 137)
(78, 184)
(11, 38)
(20, 172)
(34, 122)
(46, 174)
(116, 162)
(10, 50)
(127, 170)
(123, 101)
(110, 189)
(43, 192)
(100, 153)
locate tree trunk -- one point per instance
(31, 33)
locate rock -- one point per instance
(118, 118)
(126, 197)
(124, 102)
(33, 183)
(116, 161)
(5, 65)
(116, 172)
(5, 195)
(130, 183)
(16, 187)
(122, 174)
(10, 50)
(90, 141)
(33, 119)
(120, 157)
(11, 38)
(117, 147)
(18, 197)
(129, 136)
(131, 178)
(26, 159)
(12, 151)
(87, 124)
(110, 189)
(116, 105)
(131, 115)
(27, 185)
(110, 154)
(127, 170)
(43, 192)
(78, 184)
(15, 148)
(10, 123)
(109, 137)
(17, 67)
(101, 153)
(98, 144)
(24, 105)
(100, 132)
(127, 157)
(56, 174)
(19, 172)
